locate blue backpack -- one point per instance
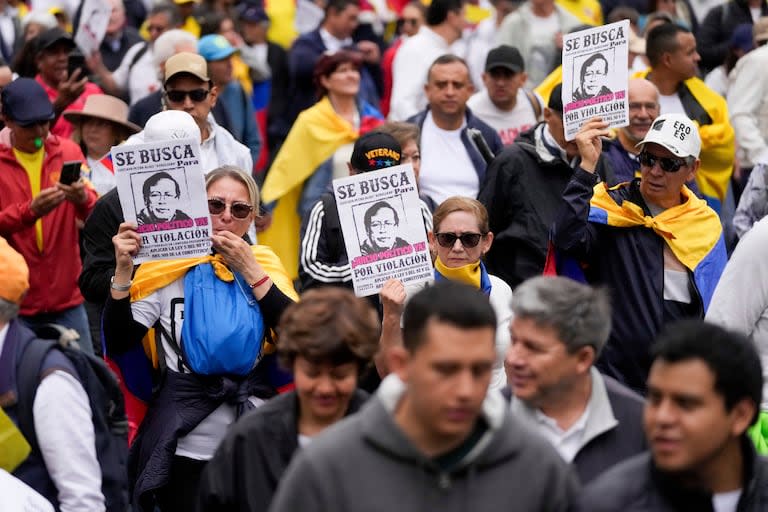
(223, 326)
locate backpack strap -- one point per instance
(534, 101)
(28, 379)
(136, 56)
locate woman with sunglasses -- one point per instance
(212, 317)
(459, 239)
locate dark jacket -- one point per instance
(490, 135)
(303, 56)
(714, 37)
(244, 473)
(614, 429)
(630, 262)
(97, 248)
(142, 110)
(113, 58)
(278, 109)
(636, 485)
(522, 192)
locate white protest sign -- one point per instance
(94, 19)
(596, 76)
(162, 190)
(383, 228)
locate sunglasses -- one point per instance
(409, 21)
(238, 210)
(196, 95)
(468, 240)
(666, 164)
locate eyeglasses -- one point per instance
(409, 21)
(238, 210)
(666, 164)
(196, 95)
(161, 195)
(468, 240)
(382, 225)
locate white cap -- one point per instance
(171, 124)
(675, 132)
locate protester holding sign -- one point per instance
(212, 315)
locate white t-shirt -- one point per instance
(446, 169)
(167, 305)
(671, 104)
(541, 59)
(726, 501)
(141, 79)
(507, 124)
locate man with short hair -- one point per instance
(504, 103)
(62, 466)
(671, 51)
(119, 37)
(38, 213)
(704, 392)
(446, 141)
(445, 23)
(592, 78)
(658, 247)
(432, 437)
(558, 330)
(381, 223)
(337, 31)
(523, 190)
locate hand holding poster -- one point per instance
(596, 76)
(383, 228)
(94, 18)
(162, 190)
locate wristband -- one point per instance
(120, 287)
(259, 282)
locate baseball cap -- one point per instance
(507, 57)
(556, 99)
(676, 133)
(186, 62)
(252, 13)
(25, 102)
(14, 274)
(742, 38)
(214, 47)
(375, 150)
(760, 30)
(52, 36)
(171, 124)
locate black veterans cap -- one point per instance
(375, 150)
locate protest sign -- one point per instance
(162, 190)
(383, 228)
(94, 19)
(596, 76)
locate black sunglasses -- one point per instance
(238, 210)
(409, 21)
(196, 95)
(468, 240)
(666, 164)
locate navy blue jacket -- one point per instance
(630, 262)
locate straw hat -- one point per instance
(104, 106)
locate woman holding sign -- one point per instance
(459, 239)
(212, 318)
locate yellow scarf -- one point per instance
(317, 133)
(468, 274)
(691, 229)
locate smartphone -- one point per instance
(70, 173)
(76, 61)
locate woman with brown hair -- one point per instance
(327, 340)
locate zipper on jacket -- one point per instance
(444, 481)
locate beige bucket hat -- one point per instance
(104, 106)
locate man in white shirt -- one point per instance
(64, 469)
(559, 328)
(452, 162)
(445, 23)
(504, 103)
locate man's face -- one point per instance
(658, 186)
(448, 89)
(382, 231)
(685, 419)
(555, 124)
(341, 24)
(156, 25)
(593, 78)
(324, 389)
(643, 109)
(446, 379)
(52, 63)
(538, 365)
(220, 71)
(116, 18)
(685, 60)
(199, 110)
(412, 20)
(23, 137)
(254, 32)
(502, 85)
(163, 199)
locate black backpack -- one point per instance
(105, 398)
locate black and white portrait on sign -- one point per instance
(162, 197)
(593, 77)
(381, 225)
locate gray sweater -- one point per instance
(366, 463)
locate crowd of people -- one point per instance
(593, 336)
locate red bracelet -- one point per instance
(259, 282)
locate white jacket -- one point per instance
(748, 106)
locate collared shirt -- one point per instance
(332, 43)
(566, 442)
